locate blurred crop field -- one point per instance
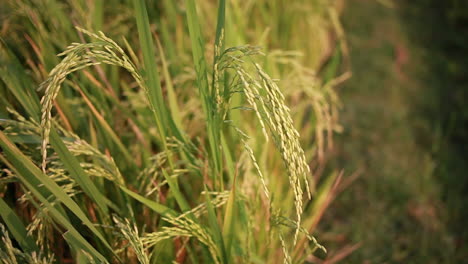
(228, 131)
(404, 119)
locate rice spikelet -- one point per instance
(184, 227)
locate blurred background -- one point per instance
(394, 75)
(405, 131)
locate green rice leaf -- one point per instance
(208, 102)
(216, 230)
(80, 246)
(151, 71)
(229, 217)
(77, 173)
(181, 201)
(16, 228)
(157, 207)
(33, 177)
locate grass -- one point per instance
(398, 210)
(171, 144)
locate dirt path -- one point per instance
(394, 208)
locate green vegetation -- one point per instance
(198, 131)
(160, 132)
(404, 116)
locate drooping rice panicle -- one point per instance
(77, 57)
(9, 254)
(268, 103)
(130, 233)
(184, 227)
(210, 184)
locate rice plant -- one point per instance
(122, 149)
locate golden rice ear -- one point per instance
(11, 254)
(287, 256)
(268, 103)
(130, 233)
(77, 57)
(183, 226)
